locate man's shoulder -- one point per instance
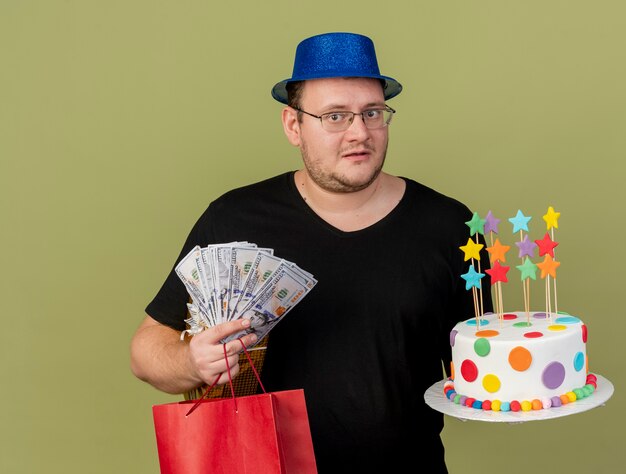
(435, 200)
(265, 188)
(243, 207)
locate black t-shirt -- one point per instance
(369, 339)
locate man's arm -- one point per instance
(160, 358)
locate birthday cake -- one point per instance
(519, 362)
(523, 360)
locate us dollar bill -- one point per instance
(187, 271)
(278, 295)
(261, 269)
(241, 261)
(238, 279)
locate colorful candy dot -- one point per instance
(487, 405)
(482, 347)
(546, 402)
(579, 392)
(520, 358)
(469, 401)
(453, 334)
(496, 405)
(567, 320)
(579, 361)
(557, 327)
(469, 371)
(556, 401)
(553, 375)
(533, 334)
(508, 317)
(491, 383)
(522, 324)
(504, 406)
(487, 333)
(477, 404)
(536, 404)
(571, 396)
(564, 399)
(481, 322)
(584, 332)
(515, 405)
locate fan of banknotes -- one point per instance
(240, 280)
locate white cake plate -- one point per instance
(437, 400)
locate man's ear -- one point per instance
(291, 126)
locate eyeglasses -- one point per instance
(341, 120)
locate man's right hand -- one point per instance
(159, 357)
(206, 352)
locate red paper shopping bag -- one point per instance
(258, 434)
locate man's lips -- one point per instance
(356, 154)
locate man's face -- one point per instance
(345, 161)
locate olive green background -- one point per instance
(121, 120)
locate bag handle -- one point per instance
(230, 380)
(256, 374)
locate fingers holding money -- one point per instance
(211, 359)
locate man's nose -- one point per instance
(357, 127)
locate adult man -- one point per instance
(370, 338)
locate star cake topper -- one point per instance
(491, 223)
(552, 218)
(498, 251)
(498, 273)
(471, 250)
(476, 224)
(472, 278)
(526, 247)
(548, 266)
(520, 221)
(527, 269)
(546, 245)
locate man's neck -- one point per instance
(356, 210)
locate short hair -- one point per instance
(294, 93)
(294, 96)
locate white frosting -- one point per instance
(550, 365)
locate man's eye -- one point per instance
(373, 114)
(336, 117)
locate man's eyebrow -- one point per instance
(344, 108)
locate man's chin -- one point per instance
(351, 184)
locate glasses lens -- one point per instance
(376, 118)
(337, 121)
(341, 121)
